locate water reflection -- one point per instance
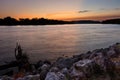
(52, 41)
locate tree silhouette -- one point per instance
(42, 21)
(10, 21)
(26, 21)
(111, 21)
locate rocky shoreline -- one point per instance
(99, 64)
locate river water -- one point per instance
(53, 41)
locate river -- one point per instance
(53, 41)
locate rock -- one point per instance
(86, 55)
(54, 69)
(94, 55)
(44, 70)
(117, 48)
(117, 61)
(47, 62)
(39, 64)
(79, 67)
(44, 66)
(83, 63)
(77, 57)
(105, 63)
(61, 76)
(97, 50)
(76, 74)
(51, 76)
(65, 71)
(6, 78)
(32, 77)
(82, 69)
(111, 52)
(29, 77)
(64, 62)
(55, 76)
(43, 74)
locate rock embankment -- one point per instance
(99, 64)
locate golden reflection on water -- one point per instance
(53, 41)
(57, 42)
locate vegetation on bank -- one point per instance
(43, 21)
(33, 21)
(111, 21)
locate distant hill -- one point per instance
(86, 22)
(111, 21)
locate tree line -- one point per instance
(27, 21)
(42, 21)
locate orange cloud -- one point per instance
(94, 17)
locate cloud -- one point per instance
(106, 9)
(83, 11)
(116, 8)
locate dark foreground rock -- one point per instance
(99, 64)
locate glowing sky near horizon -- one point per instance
(61, 9)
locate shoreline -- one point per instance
(99, 64)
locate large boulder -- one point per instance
(64, 63)
(111, 52)
(117, 48)
(105, 64)
(82, 69)
(55, 74)
(43, 71)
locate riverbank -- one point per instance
(9, 21)
(99, 64)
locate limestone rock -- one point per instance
(55, 76)
(82, 69)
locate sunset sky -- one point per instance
(61, 9)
